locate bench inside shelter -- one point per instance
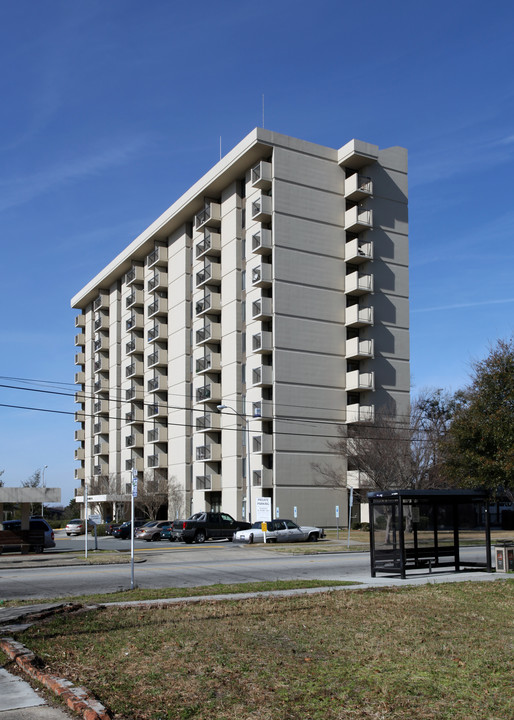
(421, 530)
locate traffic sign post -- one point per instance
(350, 505)
(337, 520)
(133, 495)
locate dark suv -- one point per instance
(41, 535)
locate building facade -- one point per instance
(276, 286)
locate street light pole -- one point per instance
(248, 470)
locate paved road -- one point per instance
(179, 565)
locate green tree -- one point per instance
(479, 445)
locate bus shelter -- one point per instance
(424, 529)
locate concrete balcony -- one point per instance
(135, 298)
(210, 452)
(80, 340)
(101, 363)
(135, 321)
(208, 393)
(135, 345)
(261, 175)
(135, 275)
(80, 321)
(210, 274)
(159, 332)
(134, 369)
(357, 283)
(262, 308)
(209, 482)
(101, 343)
(157, 460)
(262, 209)
(210, 332)
(158, 434)
(101, 321)
(80, 378)
(262, 342)
(101, 302)
(208, 421)
(80, 473)
(100, 426)
(357, 349)
(80, 453)
(210, 244)
(157, 410)
(158, 307)
(262, 275)
(80, 359)
(262, 376)
(358, 251)
(134, 416)
(262, 242)
(159, 383)
(80, 435)
(357, 154)
(209, 303)
(357, 187)
(210, 362)
(135, 439)
(262, 444)
(159, 281)
(360, 382)
(262, 477)
(357, 219)
(359, 413)
(210, 216)
(357, 316)
(262, 410)
(101, 407)
(159, 358)
(159, 256)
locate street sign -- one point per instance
(263, 509)
(277, 512)
(337, 511)
(295, 512)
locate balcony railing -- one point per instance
(261, 242)
(159, 255)
(262, 342)
(261, 175)
(261, 275)
(203, 393)
(358, 187)
(210, 273)
(357, 219)
(209, 245)
(262, 209)
(358, 284)
(135, 274)
(159, 383)
(210, 215)
(159, 281)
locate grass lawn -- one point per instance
(435, 652)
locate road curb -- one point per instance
(78, 699)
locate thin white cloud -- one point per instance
(21, 190)
(457, 306)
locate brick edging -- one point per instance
(78, 699)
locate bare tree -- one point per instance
(2, 482)
(176, 500)
(34, 481)
(152, 492)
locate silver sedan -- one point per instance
(279, 531)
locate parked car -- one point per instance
(123, 531)
(152, 531)
(204, 526)
(110, 527)
(78, 527)
(41, 535)
(280, 531)
(173, 532)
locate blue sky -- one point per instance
(110, 111)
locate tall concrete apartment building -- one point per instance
(277, 286)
